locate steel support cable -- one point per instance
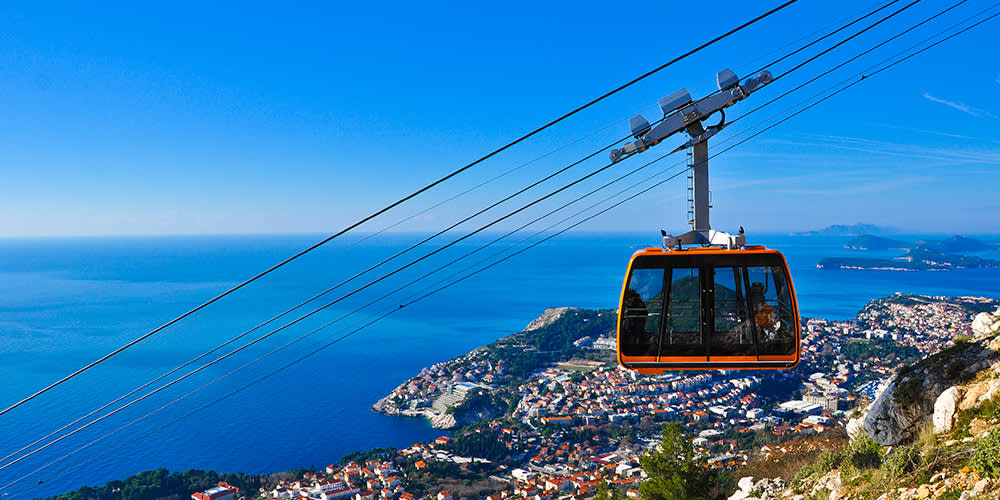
(432, 272)
(852, 59)
(836, 92)
(432, 292)
(298, 306)
(389, 207)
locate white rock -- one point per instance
(991, 392)
(945, 408)
(855, 427)
(981, 486)
(746, 486)
(982, 324)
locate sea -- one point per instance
(300, 396)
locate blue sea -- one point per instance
(67, 301)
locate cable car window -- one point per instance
(771, 304)
(732, 334)
(642, 309)
(682, 332)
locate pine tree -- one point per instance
(674, 472)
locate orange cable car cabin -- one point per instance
(707, 308)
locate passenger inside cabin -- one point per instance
(762, 311)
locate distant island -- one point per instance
(921, 255)
(848, 230)
(953, 244)
(870, 242)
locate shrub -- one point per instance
(826, 461)
(863, 453)
(986, 459)
(902, 460)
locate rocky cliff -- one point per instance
(933, 389)
(933, 433)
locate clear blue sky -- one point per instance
(259, 118)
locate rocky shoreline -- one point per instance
(439, 390)
(438, 420)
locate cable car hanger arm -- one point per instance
(680, 114)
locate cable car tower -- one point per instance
(717, 304)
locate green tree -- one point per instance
(674, 472)
(605, 492)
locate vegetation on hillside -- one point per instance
(524, 352)
(161, 484)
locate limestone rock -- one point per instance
(770, 488)
(986, 324)
(981, 486)
(854, 427)
(443, 421)
(923, 491)
(945, 408)
(975, 394)
(739, 495)
(890, 423)
(765, 489)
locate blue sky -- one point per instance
(253, 118)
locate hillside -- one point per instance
(933, 433)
